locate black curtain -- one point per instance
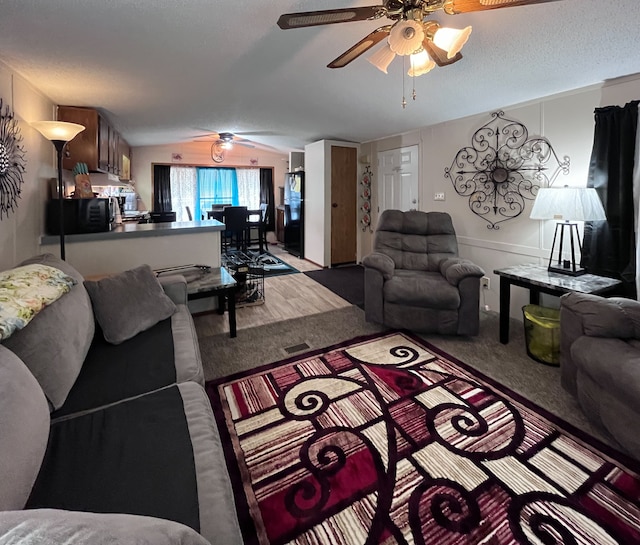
(266, 195)
(609, 246)
(161, 188)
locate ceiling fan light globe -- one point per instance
(451, 39)
(406, 37)
(421, 63)
(382, 58)
(226, 144)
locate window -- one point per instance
(200, 188)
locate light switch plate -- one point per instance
(438, 196)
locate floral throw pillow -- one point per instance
(25, 291)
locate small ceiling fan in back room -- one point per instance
(411, 33)
(223, 141)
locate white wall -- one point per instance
(567, 121)
(199, 153)
(20, 231)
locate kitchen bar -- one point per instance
(132, 244)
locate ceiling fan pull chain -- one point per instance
(413, 80)
(404, 101)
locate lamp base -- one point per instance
(569, 271)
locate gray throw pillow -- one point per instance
(128, 303)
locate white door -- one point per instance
(398, 173)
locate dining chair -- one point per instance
(236, 227)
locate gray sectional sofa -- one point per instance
(110, 441)
(600, 362)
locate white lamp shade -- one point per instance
(568, 203)
(451, 39)
(421, 63)
(58, 130)
(382, 58)
(406, 37)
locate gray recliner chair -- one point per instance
(414, 278)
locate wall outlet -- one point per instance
(485, 282)
(438, 196)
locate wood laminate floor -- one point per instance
(286, 297)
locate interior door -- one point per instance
(398, 172)
(344, 182)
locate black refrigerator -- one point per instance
(294, 213)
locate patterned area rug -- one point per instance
(387, 440)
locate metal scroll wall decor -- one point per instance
(503, 168)
(365, 198)
(12, 162)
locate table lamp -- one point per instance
(569, 205)
(59, 133)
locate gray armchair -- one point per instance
(414, 278)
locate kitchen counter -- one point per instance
(135, 230)
(132, 244)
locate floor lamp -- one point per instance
(569, 205)
(59, 133)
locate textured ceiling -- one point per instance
(164, 71)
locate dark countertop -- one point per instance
(136, 230)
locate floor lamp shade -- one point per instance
(568, 205)
(59, 133)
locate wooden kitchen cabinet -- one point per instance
(100, 146)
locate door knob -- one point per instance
(334, 205)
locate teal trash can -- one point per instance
(542, 333)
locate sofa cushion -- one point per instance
(134, 457)
(75, 528)
(25, 291)
(60, 333)
(24, 429)
(421, 289)
(128, 303)
(162, 355)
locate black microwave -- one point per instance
(80, 216)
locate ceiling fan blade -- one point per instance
(330, 16)
(438, 55)
(454, 7)
(358, 49)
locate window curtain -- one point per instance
(184, 187)
(216, 186)
(609, 246)
(249, 187)
(266, 196)
(161, 188)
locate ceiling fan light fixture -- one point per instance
(382, 57)
(406, 37)
(226, 144)
(421, 63)
(451, 39)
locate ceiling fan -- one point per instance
(411, 33)
(226, 140)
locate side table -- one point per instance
(537, 279)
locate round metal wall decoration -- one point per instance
(503, 168)
(12, 161)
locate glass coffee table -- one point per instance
(216, 282)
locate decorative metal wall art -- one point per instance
(12, 162)
(365, 197)
(503, 168)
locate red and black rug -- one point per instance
(387, 440)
